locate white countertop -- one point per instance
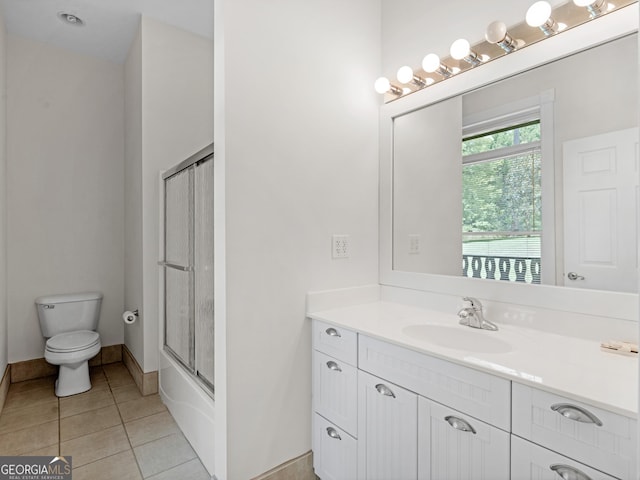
(572, 367)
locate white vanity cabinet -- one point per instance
(387, 412)
(388, 430)
(592, 436)
(530, 461)
(456, 446)
(335, 402)
(459, 411)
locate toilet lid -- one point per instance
(71, 341)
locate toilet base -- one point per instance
(73, 379)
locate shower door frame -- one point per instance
(206, 154)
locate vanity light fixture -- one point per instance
(382, 85)
(539, 15)
(497, 34)
(461, 50)
(405, 75)
(594, 7)
(431, 64)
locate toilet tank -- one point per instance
(68, 312)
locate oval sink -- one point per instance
(459, 338)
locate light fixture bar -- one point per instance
(539, 16)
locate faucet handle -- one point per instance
(475, 303)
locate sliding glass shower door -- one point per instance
(188, 265)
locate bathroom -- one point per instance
(296, 131)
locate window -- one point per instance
(502, 204)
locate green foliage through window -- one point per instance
(503, 194)
(502, 204)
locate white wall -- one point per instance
(133, 287)
(169, 76)
(65, 184)
(4, 340)
(299, 145)
(427, 188)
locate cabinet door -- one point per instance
(532, 462)
(335, 391)
(455, 446)
(334, 451)
(591, 435)
(387, 430)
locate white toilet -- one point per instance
(69, 322)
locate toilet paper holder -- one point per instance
(130, 316)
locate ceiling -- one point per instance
(110, 25)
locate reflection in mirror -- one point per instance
(531, 179)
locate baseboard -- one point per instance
(147, 382)
(4, 386)
(300, 468)
(38, 367)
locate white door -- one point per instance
(455, 446)
(600, 203)
(387, 430)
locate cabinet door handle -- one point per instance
(569, 473)
(333, 434)
(384, 390)
(460, 424)
(578, 414)
(332, 332)
(333, 366)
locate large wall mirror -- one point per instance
(522, 187)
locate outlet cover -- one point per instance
(414, 244)
(340, 246)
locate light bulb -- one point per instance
(594, 7)
(496, 32)
(405, 74)
(460, 49)
(538, 14)
(431, 63)
(382, 85)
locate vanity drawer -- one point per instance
(483, 396)
(596, 437)
(335, 452)
(337, 342)
(335, 391)
(532, 462)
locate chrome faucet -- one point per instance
(472, 315)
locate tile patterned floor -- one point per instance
(111, 431)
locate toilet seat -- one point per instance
(73, 341)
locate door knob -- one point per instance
(574, 276)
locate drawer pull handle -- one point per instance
(332, 332)
(460, 424)
(333, 366)
(578, 414)
(569, 473)
(384, 390)
(333, 434)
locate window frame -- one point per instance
(538, 107)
